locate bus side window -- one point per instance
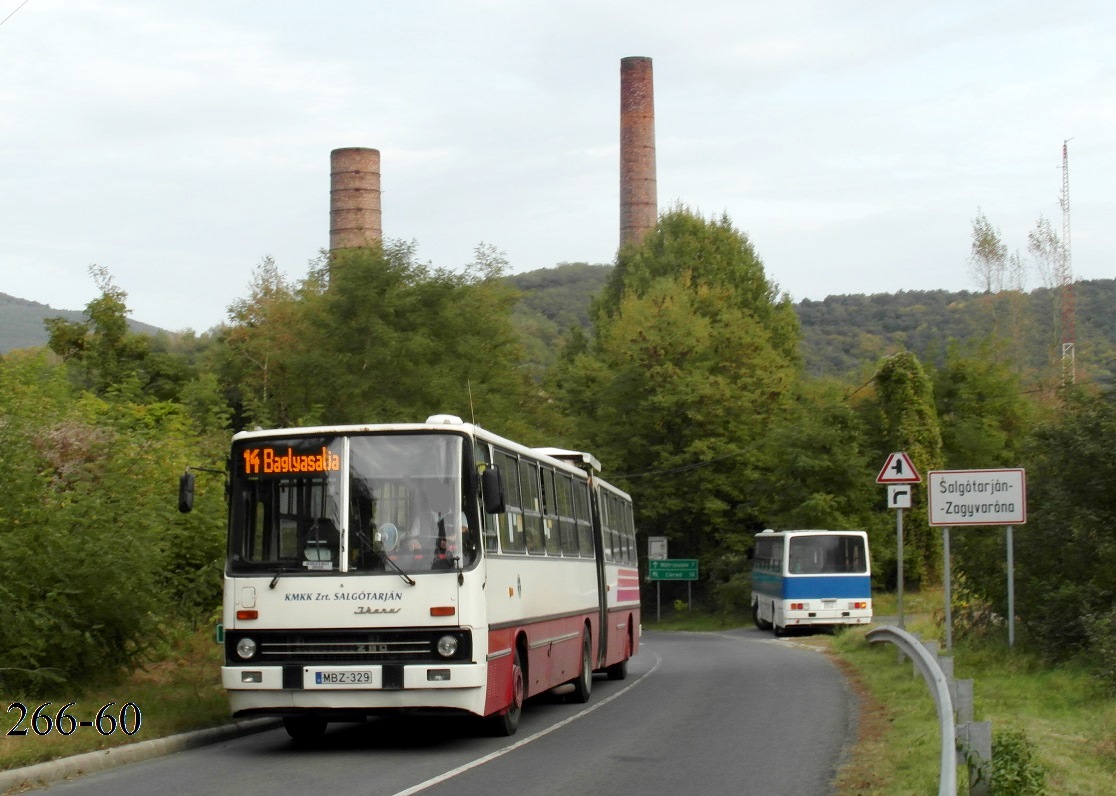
(629, 535)
(606, 524)
(583, 519)
(567, 525)
(532, 507)
(511, 521)
(550, 514)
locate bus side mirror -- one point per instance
(492, 484)
(186, 492)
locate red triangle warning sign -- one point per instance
(898, 469)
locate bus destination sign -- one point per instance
(269, 461)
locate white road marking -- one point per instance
(480, 761)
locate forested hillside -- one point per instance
(842, 335)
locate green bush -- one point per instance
(972, 613)
(733, 597)
(1016, 770)
(1102, 637)
(93, 557)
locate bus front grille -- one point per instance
(350, 650)
(357, 647)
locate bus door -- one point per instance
(599, 542)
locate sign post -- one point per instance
(978, 497)
(674, 569)
(657, 551)
(899, 473)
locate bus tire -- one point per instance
(619, 670)
(506, 723)
(759, 621)
(304, 729)
(583, 684)
(778, 629)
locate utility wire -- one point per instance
(21, 5)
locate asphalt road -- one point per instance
(700, 713)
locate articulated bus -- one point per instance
(430, 567)
(810, 579)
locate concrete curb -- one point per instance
(52, 771)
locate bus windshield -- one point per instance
(829, 554)
(365, 503)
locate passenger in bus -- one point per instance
(442, 557)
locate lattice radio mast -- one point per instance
(1065, 279)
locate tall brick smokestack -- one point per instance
(354, 198)
(639, 210)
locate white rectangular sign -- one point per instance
(656, 548)
(899, 496)
(977, 497)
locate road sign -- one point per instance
(977, 497)
(899, 496)
(673, 569)
(656, 548)
(898, 469)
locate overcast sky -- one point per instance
(177, 144)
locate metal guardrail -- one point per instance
(935, 678)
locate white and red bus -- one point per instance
(425, 567)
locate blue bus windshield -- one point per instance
(829, 554)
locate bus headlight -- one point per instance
(447, 646)
(246, 648)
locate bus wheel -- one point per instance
(303, 728)
(507, 723)
(583, 685)
(760, 623)
(619, 671)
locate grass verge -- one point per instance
(1067, 719)
(180, 692)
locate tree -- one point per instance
(981, 409)
(908, 422)
(1066, 554)
(1045, 247)
(1048, 254)
(989, 255)
(716, 255)
(260, 342)
(104, 356)
(374, 335)
(822, 458)
(692, 360)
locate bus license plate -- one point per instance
(343, 677)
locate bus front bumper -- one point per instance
(263, 690)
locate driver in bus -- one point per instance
(444, 557)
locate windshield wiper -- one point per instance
(406, 578)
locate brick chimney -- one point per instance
(639, 210)
(354, 198)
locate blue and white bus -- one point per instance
(811, 579)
